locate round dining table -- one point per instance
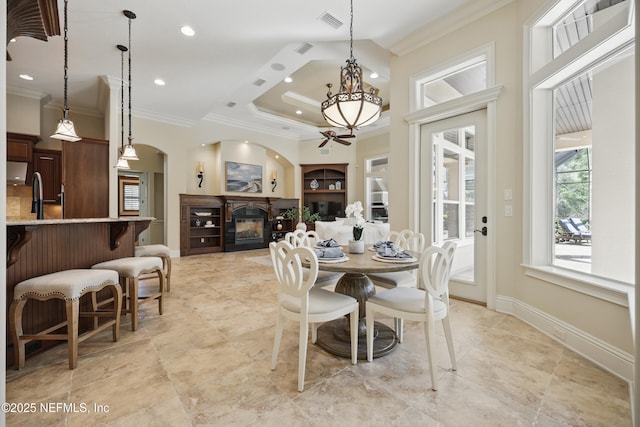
(334, 336)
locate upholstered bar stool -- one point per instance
(68, 285)
(162, 252)
(130, 269)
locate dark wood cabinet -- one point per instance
(20, 147)
(197, 236)
(324, 189)
(201, 224)
(282, 226)
(49, 164)
(85, 176)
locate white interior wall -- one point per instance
(613, 213)
(605, 336)
(24, 115)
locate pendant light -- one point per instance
(65, 130)
(352, 107)
(129, 152)
(122, 162)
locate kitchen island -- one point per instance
(38, 247)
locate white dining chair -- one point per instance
(300, 301)
(406, 240)
(450, 251)
(309, 239)
(426, 304)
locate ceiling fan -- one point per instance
(331, 135)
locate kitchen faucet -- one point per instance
(36, 192)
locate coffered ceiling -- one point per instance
(233, 69)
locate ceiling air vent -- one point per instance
(259, 82)
(325, 151)
(231, 104)
(329, 19)
(303, 48)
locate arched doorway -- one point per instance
(146, 190)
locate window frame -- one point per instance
(123, 182)
(368, 193)
(542, 74)
(416, 94)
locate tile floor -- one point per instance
(206, 362)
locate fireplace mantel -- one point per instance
(197, 239)
(233, 203)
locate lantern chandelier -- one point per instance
(129, 153)
(352, 107)
(65, 130)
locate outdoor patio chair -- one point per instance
(569, 231)
(585, 233)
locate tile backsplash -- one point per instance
(19, 204)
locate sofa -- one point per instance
(342, 233)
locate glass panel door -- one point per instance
(457, 192)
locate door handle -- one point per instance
(483, 231)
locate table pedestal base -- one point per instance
(335, 337)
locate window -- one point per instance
(377, 196)
(582, 140)
(454, 184)
(579, 23)
(129, 195)
(463, 76)
(466, 78)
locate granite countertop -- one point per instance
(77, 220)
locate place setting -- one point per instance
(329, 251)
(387, 251)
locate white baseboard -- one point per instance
(608, 357)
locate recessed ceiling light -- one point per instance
(187, 31)
(374, 75)
(298, 112)
(277, 157)
(277, 66)
(26, 77)
(246, 142)
(288, 79)
(159, 82)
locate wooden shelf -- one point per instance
(195, 237)
(328, 202)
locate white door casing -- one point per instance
(453, 203)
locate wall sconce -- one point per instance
(200, 175)
(274, 182)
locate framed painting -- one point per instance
(243, 178)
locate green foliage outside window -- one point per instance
(573, 186)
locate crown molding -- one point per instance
(162, 118)
(57, 105)
(457, 19)
(26, 93)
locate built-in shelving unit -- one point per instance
(324, 189)
(199, 237)
(201, 224)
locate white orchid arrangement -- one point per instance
(354, 214)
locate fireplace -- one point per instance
(249, 228)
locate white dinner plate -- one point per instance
(377, 257)
(202, 213)
(333, 260)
